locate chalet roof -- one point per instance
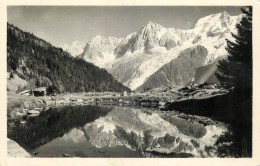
(25, 91)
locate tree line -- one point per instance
(42, 64)
(236, 76)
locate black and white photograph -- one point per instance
(129, 81)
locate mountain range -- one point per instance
(157, 56)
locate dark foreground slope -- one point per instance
(220, 107)
(41, 64)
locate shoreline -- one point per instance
(20, 105)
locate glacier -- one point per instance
(133, 59)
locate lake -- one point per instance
(108, 131)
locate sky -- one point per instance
(65, 24)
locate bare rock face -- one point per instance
(179, 71)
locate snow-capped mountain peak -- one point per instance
(149, 36)
(153, 26)
(152, 31)
(75, 48)
(100, 43)
(135, 58)
(221, 20)
(97, 38)
(100, 49)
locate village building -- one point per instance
(42, 91)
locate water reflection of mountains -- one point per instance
(88, 129)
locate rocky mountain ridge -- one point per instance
(179, 71)
(133, 59)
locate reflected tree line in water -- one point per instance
(53, 123)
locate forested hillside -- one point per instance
(41, 64)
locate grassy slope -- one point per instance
(14, 83)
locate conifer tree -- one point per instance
(236, 75)
(236, 72)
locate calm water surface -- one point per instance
(97, 131)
